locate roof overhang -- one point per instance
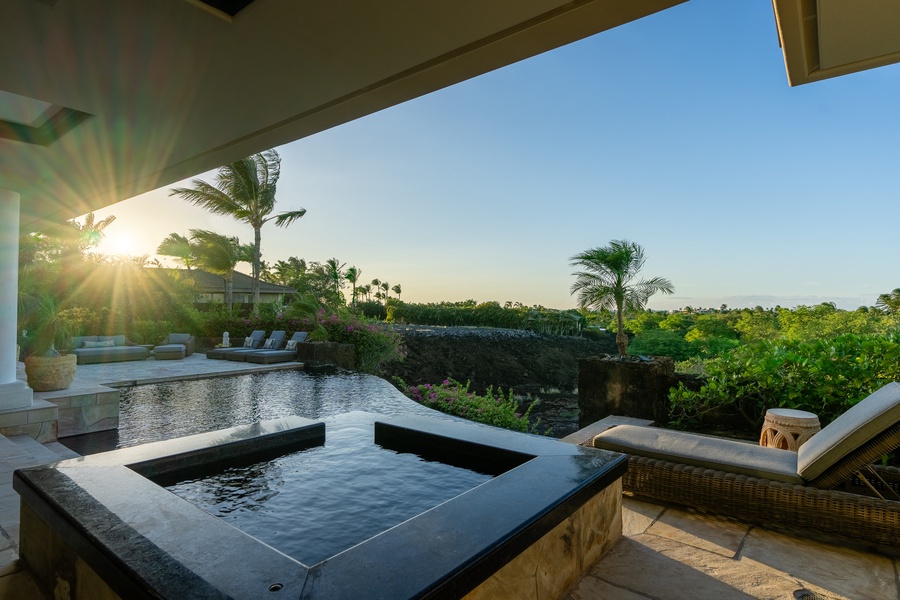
(828, 38)
(133, 95)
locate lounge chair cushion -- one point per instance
(719, 454)
(248, 342)
(269, 345)
(862, 422)
(177, 338)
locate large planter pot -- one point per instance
(46, 374)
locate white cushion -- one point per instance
(248, 342)
(719, 454)
(269, 345)
(291, 345)
(869, 417)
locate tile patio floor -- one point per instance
(665, 554)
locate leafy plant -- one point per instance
(453, 398)
(375, 346)
(825, 376)
(46, 325)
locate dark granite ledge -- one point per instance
(146, 542)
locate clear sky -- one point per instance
(678, 132)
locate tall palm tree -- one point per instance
(220, 254)
(386, 288)
(90, 233)
(180, 247)
(606, 282)
(352, 275)
(397, 289)
(335, 270)
(244, 190)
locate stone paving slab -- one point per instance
(672, 554)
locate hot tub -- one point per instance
(103, 527)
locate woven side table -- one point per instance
(788, 429)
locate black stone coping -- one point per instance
(148, 543)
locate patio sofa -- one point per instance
(93, 349)
(828, 490)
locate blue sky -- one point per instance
(678, 132)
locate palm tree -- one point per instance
(397, 289)
(365, 290)
(90, 234)
(352, 275)
(335, 270)
(889, 303)
(376, 285)
(290, 270)
(244, 190)
(180, 247)
(606, 282)
(386, 287)
(220, 254)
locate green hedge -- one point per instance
(487, 314)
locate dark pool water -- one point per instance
(160, 411)
(318, 502)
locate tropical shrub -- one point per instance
(453, 398)
(825, 376)
(375, 346)
(658, 342)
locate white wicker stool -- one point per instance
(788, 429)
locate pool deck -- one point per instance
(666, 553)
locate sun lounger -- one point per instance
(288, 354)
(273, 343)
(256, 339)
(828, 490)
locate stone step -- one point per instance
(32, 453)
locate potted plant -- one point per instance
(47, 330)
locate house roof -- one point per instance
(241, 283)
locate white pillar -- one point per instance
(13, 393)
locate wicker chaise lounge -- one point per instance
(256, 340)
(827, 490)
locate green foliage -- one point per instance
(149, 332)
(487, 314)
(644, 321)
(375, 346)
(372, 310)
(823, 376)
(453, 398)
(657, 342)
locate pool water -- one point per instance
(149, 413)
(316, 503)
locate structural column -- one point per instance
(13, 393)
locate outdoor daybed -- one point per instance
(816, 492)
(287, 354)
(254, 340)
(92, 349)
(273, 343)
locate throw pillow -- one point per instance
(269, 345)
(103, 344)
(248, 342)
(291, 345)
